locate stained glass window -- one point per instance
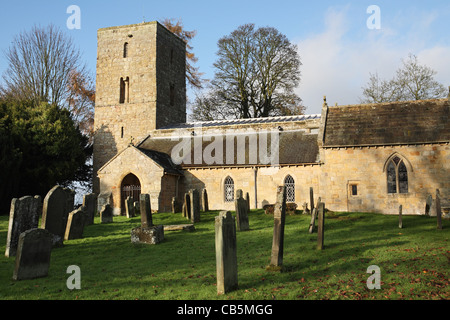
(289, 185)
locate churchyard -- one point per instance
(413, 260)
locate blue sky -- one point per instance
(337, 49)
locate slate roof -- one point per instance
(411, 122)
(164, 160)
(295, 147)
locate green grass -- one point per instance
(414, 261)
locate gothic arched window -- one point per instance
(289, 185)
(229, 189)
(397, 176)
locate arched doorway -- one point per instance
(130, 187)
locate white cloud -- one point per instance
(336, 65)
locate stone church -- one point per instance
(367, 158)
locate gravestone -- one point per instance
(147, 233)
(23, 215)
(400, 218)
(58, 203)
(33, 254)
(75, 224)
(247, 198)
(90, 204)
(104, 198)
(226, 253)
(195, 205)
(146, 210)
(428, 204)
(136, 208)
(279, 218)
(175, 207)
(314, 212)
(129, 207)
(311, 198)
(205, 200)
(305, 208)
(320, 225)
(187, 206)
(106, 214)
(241, 207)
(438, 210)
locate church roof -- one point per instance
(392, 123)
(242, 121)
(295, 147)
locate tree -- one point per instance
(40, 146)
(40, 63)
(257, 71)
(193, 75)
(411, 82)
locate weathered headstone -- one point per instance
(400, 217)
(226, 253)
(75, 224)
(247, 198)
(104, 198)
(311, 198)
(106, 214)
(33, 254)
(320, 225)
(279, 217)
(428, 204)
(195, 205)
(305, 208)
(58, 203)
(187, 206)
(205, 200)
(146, 210)
(241, 207)
(147, 233)
(175, 206)
(129, 207)
(314, 212)
(90, 203)
(438, 210)
(23, 215)
(136, 208)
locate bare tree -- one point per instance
(257, 71)
(412, 81)
(193, 75)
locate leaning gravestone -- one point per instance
(226, 253)
(33, 254)
(75, 224)
(23, 215)
(57, 204)
(195, 205)
(241, 208)
(147, 233)
(90, 203)
(279, 217)
(106, 214)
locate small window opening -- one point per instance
(124, 90)
(354, 189)
(125, 50)
(121, 132)
(289, 185)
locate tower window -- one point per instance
(229, 189)
(397, 176)
(125, 50)
(124, 90)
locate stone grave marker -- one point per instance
(75, 224)
(311, 198)
(320, 225)
(58, 203)
(400, 217)
(226, 253)
(195, 205)
(147, 233)
(205, 200)
(33, 254)
(428, 204)
(129, 207)
(438, 210)
(90, 203)
(104, 198)
(106, 214)
(314, 212)
(279, 218)
(175, 206)
(23, 215)
(247, 198)
(241, 207)
(187, 206)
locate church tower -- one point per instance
(140, 86)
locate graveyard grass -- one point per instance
(414, 261)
